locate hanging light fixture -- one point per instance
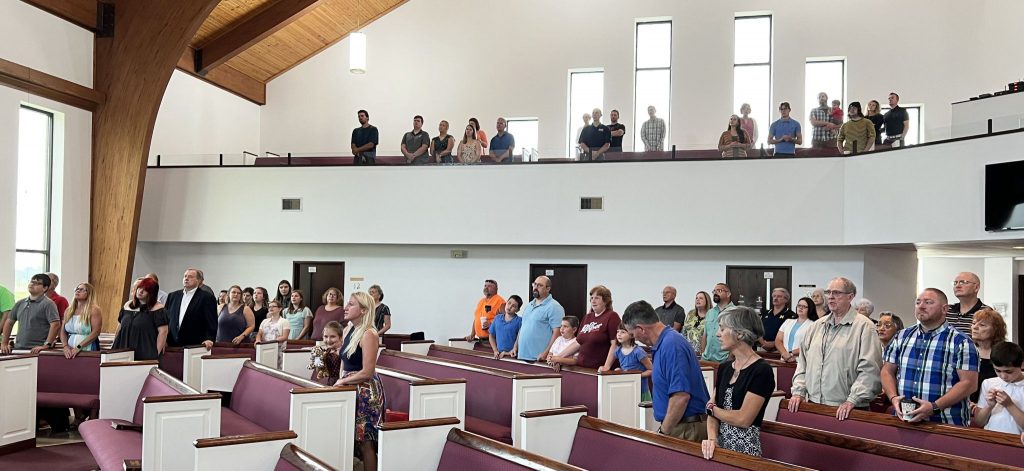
(357, 53)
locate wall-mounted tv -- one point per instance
(1004, 196)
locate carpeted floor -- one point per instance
(68, 457)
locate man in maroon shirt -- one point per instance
(60, 301)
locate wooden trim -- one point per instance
(507, 452)
(17, 446)
(112, 350)
(267, 342)
(226, 356)
(60, 353)
(81, 13)
(460, 339)
(125, 425)
(416, 341)
(646, 405)
(965, 433)
(722, 455)
(132, 465)
(397, 336)
(180, 398)
(532, 414)
(436, 382)
(874, 447)
(244, 439)
(226, 78)
(303, 460)
(410, 424)
(20, 356)
(171, 381)
(249, 31)
(48, 86)
(611, 372)
(322, 389)
(297, 350)
(232, 345)
(467, 366)
(281, 375)
(303, 342)
(110, 364)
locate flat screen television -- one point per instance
(1004, 196)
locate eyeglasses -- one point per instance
(961, 282)
(80, 289)
(801, 306)
(832, 292)
(887, 325)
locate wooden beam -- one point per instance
(80, 12)
(251, 30)
(47, 86)
(132, 67)
(227, 78)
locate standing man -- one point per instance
(161, 296)
(961, 315)
(824, 130)
(6, 303)
(840, 356)
(932, 364)
(192, 313)
(653, 132)
(415, 143)
(774, 317)
(595, 139)
(37, 319)
(51, 292)
(490, 305)
(785, 133)
(679, 394)
(896, 122)
(582, 129)
(670, 313)
(541, 319)
(503, 143)
(618, 132)
(722, 296)
(364, 141)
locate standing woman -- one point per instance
(596, 341)
(733, 142)
(876, 118)
(470, 147)
(142, 322)
(748, 124)
(83, 323)
(247, 296)
(284, 293)
(235, 321)
(359, 363)
(330, 311)
(381, 315)
(441, 145)
(792, 330)
(987, 330)
(693, 326)
(259, 308)
(299, 317)
(743, 386)
(479, 133)
(818, 296)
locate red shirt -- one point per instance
(60, 301)
(595, 336)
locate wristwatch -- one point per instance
(935, 409)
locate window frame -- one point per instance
(770, 106)
(508, 123)
(844, 99)
(667, 113)
(569, 119)
(48, 220)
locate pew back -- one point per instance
(18, 377)
(464, 450)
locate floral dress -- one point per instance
(693, 328)
(370, 399)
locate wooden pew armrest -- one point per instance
(119, 424)
(413, 444)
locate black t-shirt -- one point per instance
(617, 140)
(756, 378)
(596, 136)
(877, 120)
(894, 119)
(362, 136)
(772, 322)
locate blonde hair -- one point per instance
(87, 306)
(364, 323)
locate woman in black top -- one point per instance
(382, 314)
(259, 309)
(743, 386)
(142, 322)
(875, 116)
(441, 145)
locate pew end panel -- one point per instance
(413, 445)
(107, 356)
(461, 343)
(295, 360)
(616, 394)
(172, 422)
(647, 421)
(419, 347)
(192, 365)
(771, 413)
(219, 372)
(257, 452)
(431, 399)
(534, 392)
(120, 385)
(325, 420)
(18, 377)
(550, 432)
(267, 353)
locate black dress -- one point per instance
(877, 120)
(139, 330)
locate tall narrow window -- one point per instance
(752, 71)
(652, 84)
(35, 162)
(823, 75)
(586, 92)
(526, 132)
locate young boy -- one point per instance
(1001, 403)
(837, 113)
(568, 331)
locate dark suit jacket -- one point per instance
(200, 322)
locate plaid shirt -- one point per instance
(927, 364)
(821, 133)
(653, 134)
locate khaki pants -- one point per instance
(692, 431)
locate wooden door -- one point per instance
(748, 283)
(568, 286)
(313, 278)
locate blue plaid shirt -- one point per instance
(927, 364)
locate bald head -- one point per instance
(541, 287)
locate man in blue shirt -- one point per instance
(785, 133)
(679, 394)
(502, 144)
(541, 319)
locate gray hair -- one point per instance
(895, 318)
(783, 291)
(640, 313)
(865, 304)
(744, 323)
(848, 285)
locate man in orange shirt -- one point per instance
(489, 306)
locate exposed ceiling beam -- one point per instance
(227, 78)
(80, 12)
(47, 86)
(249, 31)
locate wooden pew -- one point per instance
(610, 395)
(18, 376)
(648, 422)
(394, 341)
(264, 399)
(460, 342)
(74, 383)
(254, 452)
(997, 447)
(423, 398)
(507, 393)
(183, 362)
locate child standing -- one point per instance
(1001, 403)
(568, 330)
(325, 361)
(631, 358)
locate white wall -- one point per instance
(34, 38)
(440, 59)
(890, 281)
(998, 282)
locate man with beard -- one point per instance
(542, 317)
(722, 296)
(364, 141)
(489, 306)
(823, 129)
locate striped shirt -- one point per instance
(927, 365)
(653, 134)
(963, 321)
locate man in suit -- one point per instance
(192, 313)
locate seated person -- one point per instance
(568, 330)
(1001, 404)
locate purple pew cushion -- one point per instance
(489, 429)
(785, 374)
(78, 401)
(233, 424)
(80, 375)
(456, 457)
(284, 465)
(173, 362)
(151, 387)
(821, 456)
(592, 449)
(262, 399)
(398, 392)
(110, 447)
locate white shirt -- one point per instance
(1001, 420)
(789, 325)
(560, 345)
(186, 297)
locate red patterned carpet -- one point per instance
(68, 457)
